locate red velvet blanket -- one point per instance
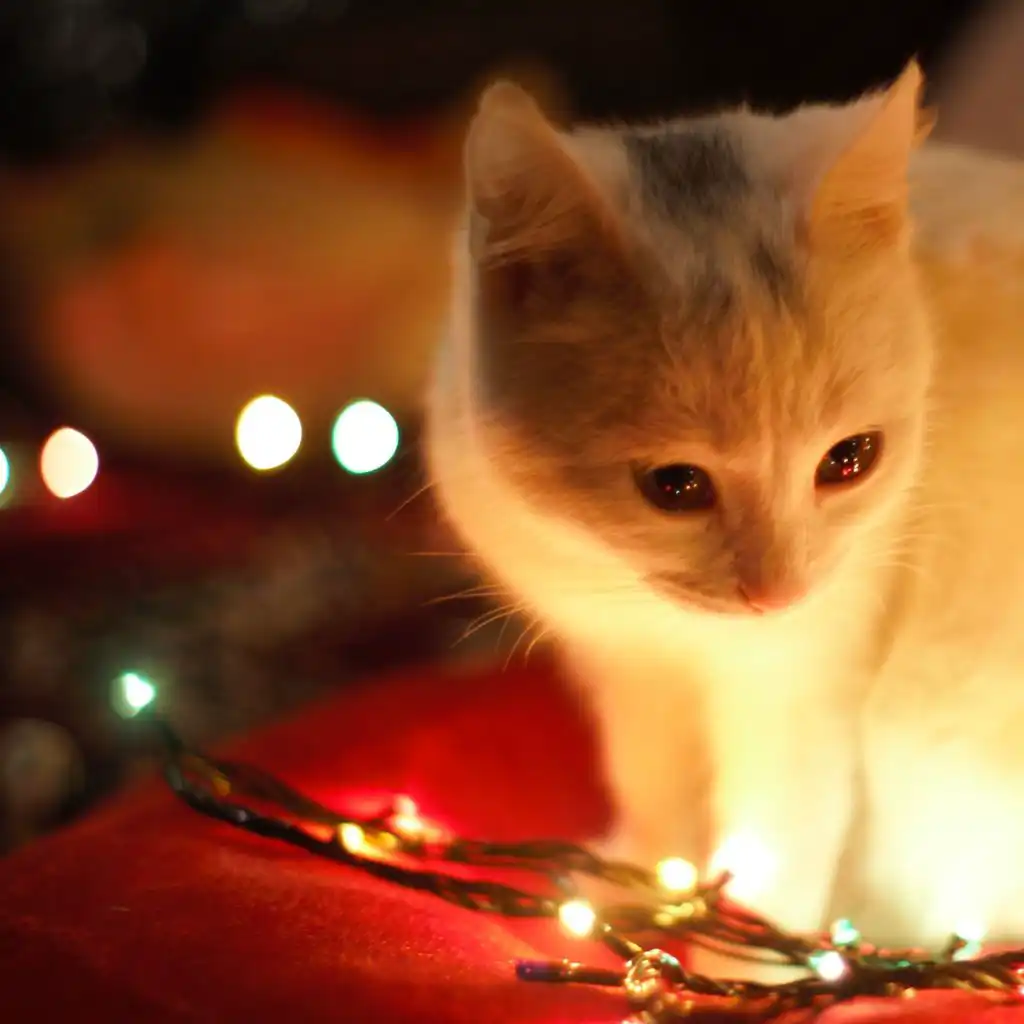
(148, 913)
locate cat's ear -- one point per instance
(863, 195)
(527, 192)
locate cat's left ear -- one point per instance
(863, 196)
(527, 192)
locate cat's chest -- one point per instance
(826, 646)
(781, 658)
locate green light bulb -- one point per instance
(828, 964)
(843, 933)
(132, 693)
(365, 437)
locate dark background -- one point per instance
(246, 595)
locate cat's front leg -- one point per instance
(782, 801)
(651, 740)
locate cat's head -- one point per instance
(702, 342)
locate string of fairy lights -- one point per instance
(364, 438)
(401, 846)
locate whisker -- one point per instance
(501, 635)
(523, 633)
(540, 635)
(488, 619)
(406, 502)
(464, 595)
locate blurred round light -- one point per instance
(5, 471)
(68, 462)
(268, 433)
(676, 875)
(830, 964)
(131, 693)
(365, 437)
(577, 917)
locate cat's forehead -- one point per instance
(728, 336)
(718, 221)
(680, 173)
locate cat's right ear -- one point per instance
(863, 197)
(527, 193)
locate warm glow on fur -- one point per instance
(741, 293)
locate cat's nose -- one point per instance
(772, 597)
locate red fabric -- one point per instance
(148, 913)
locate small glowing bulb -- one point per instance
(577, 917)
(843, 933)
(5, 471)
(829, 964)
(132, 693)
(406, 818)
(676, 875)
(68, 463)
(750, 863)
(972, 933)
(352, 837)
(268, 433)
(365, 437)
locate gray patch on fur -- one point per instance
(696, 179)
(773, 269)
(681, 172)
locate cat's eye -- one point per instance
(677, 488)
(849, 460)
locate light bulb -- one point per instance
(843, 933)
(131, 693)
(268, 433)
(352, 837)
(750, 863)
(5, 471)
(972, 933)
(405, 818)
(365, 437)
(577, 917)
(676, 875)
(68, 463)
(829, 964)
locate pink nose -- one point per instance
(772, 597)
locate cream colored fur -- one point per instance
(869, 741)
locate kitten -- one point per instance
(733, 404)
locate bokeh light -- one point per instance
(5, 471)
(365, 437)
(577, 917)
(830, 964)
(676, 875)
(268, 433)
(972, 934)
(751, 864)
(68, 462)
(843, 932)
(131, 693)
(353, 838)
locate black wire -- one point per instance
(227, 790)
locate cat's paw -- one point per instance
(715, 964)
(621, 846)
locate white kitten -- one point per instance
(750, 446)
